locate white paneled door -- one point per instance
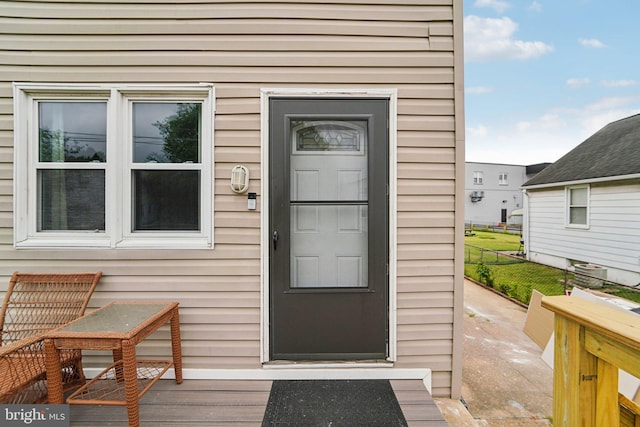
(329, 204)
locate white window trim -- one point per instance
(503, 178)
(568, 223)
(117, 206)
(265, 238)
(480, 176)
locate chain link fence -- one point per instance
(514, 276)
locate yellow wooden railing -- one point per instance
(592, 342)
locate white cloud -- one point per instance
(535, 7)
(479, 131)
(618, 83)
(525, 148)
(497, 5)
(609, 103)
(546, 122)
(541, 139)
(551, 121)
(549, 136)
(479, 90)
(594, 43)
(488, 39)
(578, 82)
(605, 110)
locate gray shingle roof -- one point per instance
(612, 151)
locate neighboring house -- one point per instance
(494, 194)
(585, 208)
(120, 126)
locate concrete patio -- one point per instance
(505, 381)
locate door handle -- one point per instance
(275, 240)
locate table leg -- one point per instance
(131, 382)
(54, 372)
(176, 345)
(117, 357)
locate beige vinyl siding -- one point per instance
(242, 47)
(6, 167)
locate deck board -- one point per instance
(231, 403)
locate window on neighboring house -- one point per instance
(478, 177)
(578, 206)
(502, 179)
(114, 166)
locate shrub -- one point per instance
(485, 274)
(505, 288)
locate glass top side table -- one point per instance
(118, 327)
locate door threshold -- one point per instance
(319, 364)
(278, 370)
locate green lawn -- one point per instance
(519, 280)
(514, 276)
(494, 241)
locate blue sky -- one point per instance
(541, 76)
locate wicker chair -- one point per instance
(34, 304)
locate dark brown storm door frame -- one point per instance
(328, 268)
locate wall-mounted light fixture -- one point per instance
(239, 179)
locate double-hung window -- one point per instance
(577, 206)
(478, 178)
(502, 178)
(113, 166)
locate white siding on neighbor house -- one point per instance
(240, 48)
(612, 239)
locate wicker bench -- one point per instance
(36, 303)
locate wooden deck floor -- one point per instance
(231, 403)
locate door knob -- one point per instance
(275, 240)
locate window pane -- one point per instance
(329, 246)
(166, 200)
(72, 131)
(329, 135)
(342, 176)
(166, 132)
(578, 216)
(71, 200)
(477, 177)
(578, 197)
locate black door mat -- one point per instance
(333, 403)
